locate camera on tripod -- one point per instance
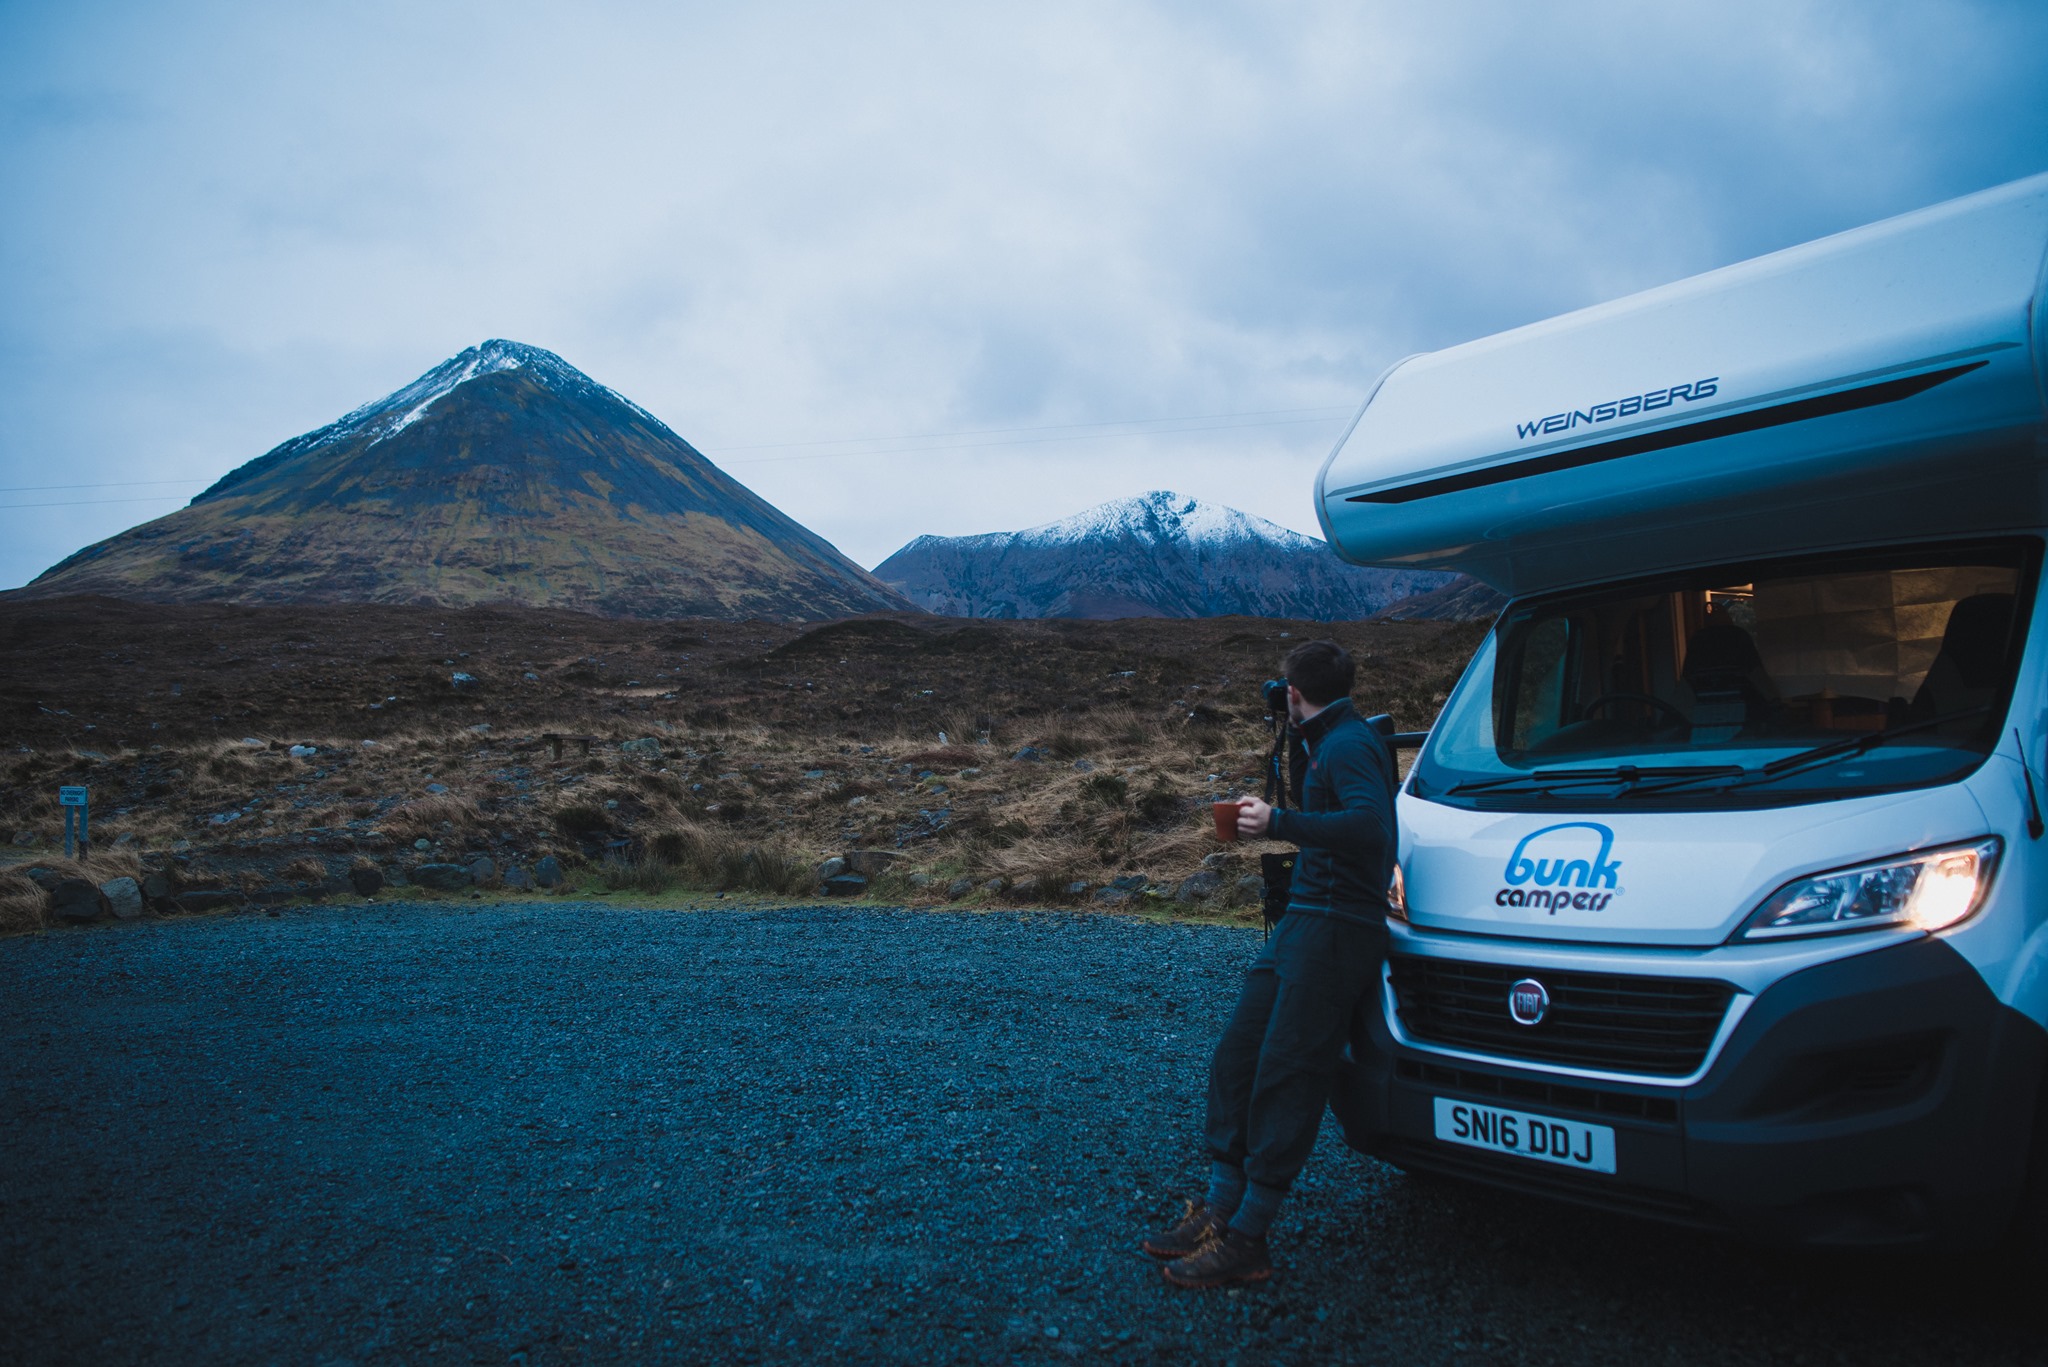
(1274, 692)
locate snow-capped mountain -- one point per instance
(502, 475)
(1159, 554)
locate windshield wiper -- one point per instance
(1869, 740)
(1627, 775)
(1820, 754)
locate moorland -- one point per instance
(268, 754)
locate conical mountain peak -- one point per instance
(504, 474)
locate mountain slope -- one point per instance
(504, 475)
(1155, 555)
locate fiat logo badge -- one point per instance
(1528, 1002)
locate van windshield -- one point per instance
(1751, 685)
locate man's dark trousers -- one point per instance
(1278, 1057)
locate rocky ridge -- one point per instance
(1159, 554)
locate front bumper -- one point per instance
(1883, 1098)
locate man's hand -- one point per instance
(1253, 817)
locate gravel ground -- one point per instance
(549, 1133)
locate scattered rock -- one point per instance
(1197, 886)
(920, 879)
(482, 728)
(993, 885)
(251, 740)
(1024, 887)
(442, 877)
(959, 887)
(1082, 766)
(156, 887)
(43, 878)
(970, 773)
(845, 885)
(1030, 754)
(482, 870)
(1249, 888)
(518, 879)
(76, 900)
(1112, 896)
(1218, 860)
(647, 747)
(1079, 888)
(423, 844)
(437, 787)
(460, 681)
(1130, 882)
(365, 880)
(831, 868)
(24, 837)
(124, 897)
(868, 863)
(303, 751)
(548, 872)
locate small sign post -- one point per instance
(76, 816)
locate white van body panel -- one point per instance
(1927, 326)
(1650, 878)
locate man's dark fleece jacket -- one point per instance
(1345, 825)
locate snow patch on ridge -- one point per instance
(1157, 518)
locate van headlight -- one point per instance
(1931, 890)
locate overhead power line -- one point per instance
(1017, 436)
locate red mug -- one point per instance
(1226, 819)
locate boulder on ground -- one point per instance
(124, 897)
(518, 879)
(1130, 882)
(302, 751)
(366, 880)
(1079, 887)
(845, 885)
(482, 870)
(442, 877)
(76, 900)
(548, 872)
(920, 879)
(1218, 860)
(868, 863)
(204, 899)
(46, 879)
(156, 887)
(646, 747)
(993, 885)
(959, 887)
(831, 868)
(1112, 896)
(1024, 887)
(461, 682)
(1197, 886)
(1249, 888)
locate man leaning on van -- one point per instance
(1270, 1080)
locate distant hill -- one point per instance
(1156, 555)
(1464, 599)
(504, 475)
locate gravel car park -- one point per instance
(503, 1132)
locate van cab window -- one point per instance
(1726, 686)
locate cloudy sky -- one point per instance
(905, 268)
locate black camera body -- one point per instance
(1274, 691)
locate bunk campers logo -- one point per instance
(1620, 408)
(1565, 867)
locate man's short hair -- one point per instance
(1322, 670)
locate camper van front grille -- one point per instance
(1660, 1027)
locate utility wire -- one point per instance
(1077, 431)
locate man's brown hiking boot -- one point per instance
(1197, 1223)
(1227, 1258)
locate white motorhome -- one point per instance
(1725, 879)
